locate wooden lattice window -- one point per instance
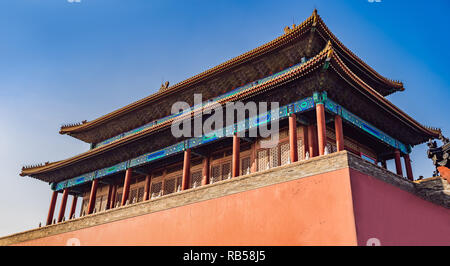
(273, 153)
(103, 204)
(169, 186)
(284, 153)
(215, 174)
(245, 166)
(263, 160)
(84, 207)
(179, 183)
(140, 194)
(331, 147)
(133, 196)
(196, 179)
(226, 171)
(156, 189)
(118, 199)
(98, 203)
(300, 149)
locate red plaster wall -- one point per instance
(394, 216)
(316, 210)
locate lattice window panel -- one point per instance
(196, 179)
(331, 147)
(84, 206)
(273, 152)
(140, 194)
(132, 197)
(300, 149)
(263, 160)
(98, 203)
(226, 171)
(156, 189)
(118, 199)
(103, 204)
(245, 166)
(169, 186)
(215, 174)
(284, 153)
(179, 182)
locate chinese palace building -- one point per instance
(326, 182)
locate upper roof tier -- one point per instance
(242, 69)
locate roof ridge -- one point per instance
(172, 88)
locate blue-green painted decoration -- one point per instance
(254, 122)
(365, 126)
(320, 97)
(242, 126)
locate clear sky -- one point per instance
(63, 62)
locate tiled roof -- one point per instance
(313, 21)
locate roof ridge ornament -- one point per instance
(287, 29)
(73, 124)
(31, 166)
(315, 17)
(164, 86)
(330, 50)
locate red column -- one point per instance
(339, 133)
(110, 192)
(92, 196)
(126, 186)
(312, 147)
(293, 138)
(236, 151)
(321, 128)
(305, 141)
(74, 206)
(408, 167)
(113, 198)
(147, 187)
(51, 209)
(398, 163)
(205, 171)
(186, 169)
(253, 158)
(62, 208)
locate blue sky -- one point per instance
(63, 62)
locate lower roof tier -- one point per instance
(298, 107)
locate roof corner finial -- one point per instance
(315, 17)
(330, 50)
